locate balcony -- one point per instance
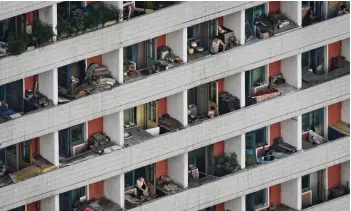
(232, 124)
(141, 88)
(90, 44)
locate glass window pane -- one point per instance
(77, 133)
(260, 198)
(129, 179)
(2, 156)
(212, 90)
(192, 96)
(152, 111)
(258, 75)
(129, 115)
(26, 151)
(306, 122)
(261, 137)
(305, 183)
(305, 60)
(318, 117)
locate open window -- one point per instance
(250, 19)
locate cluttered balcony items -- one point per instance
(277, 150)
(98, 144)
(97, 78)
(101, 204)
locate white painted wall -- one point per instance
(237, 145)
(49, 15)
(291, 131)
(345, 173)
(291, 193)
(49, 148)
(291, 69)
(177, 107)
(114, 189)
(292, 9)
(114, 61)
(114, 127)
(345, 49)
(51, 203)
(237, 204)
(235, 85)
(177, 41)
(325, 54)
(178, 169)
(236, 23)
(48, 85)
(345, 111)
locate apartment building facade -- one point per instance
(262, 124)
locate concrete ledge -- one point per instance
(10, 9)
(169, 145)
(339, 204)
(114, 37)
(255, 179)
(174, 81)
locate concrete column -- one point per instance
(177, 41)
(49, 15)
(291, 69)
(178, 169)
(325, 122)
(345, 49)
(177, 107)
(48, 85)
(49, 147)
(114, 128)
(236, 23)
(292, 9)
(235, 85)
(237, 204)
(114, 61)
(237, 145)
(325, 55)
(114, 189)
(291, 130)
(345, 111)
(345, 173)
(52, 203)
(290, 194)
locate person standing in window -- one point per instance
(215, 45)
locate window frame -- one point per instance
(131, 114)
(313, 117)
(266, 199)
(65, 139)
(252, 137)
(305, 189)
(26, 152)
(152, 111)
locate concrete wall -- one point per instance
(293, 10)
(48, 85)
(291, 193)
(114, 189)
(49, 148)
(291, 70)
(177, 41)
(237, 204)
(178, 169)
(51, 203)
(114, 37)
(10, 9)
(236, 23)
(345, 173)
(345, 49)
(345, 111)
(291, 131)
(235, 85)
(177, 107)
(173, 144)
(174, 81)
(237, 145)
(339, 204)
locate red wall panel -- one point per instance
(35, 206)
(161, 168)
(220, 85)
(95, 126)
(275, 131)
(274, 195)
(161, 40)
(162, 106)
(334, 49)
(220, 21)
(334, 176)
(220, 207)
(95, 59)
(274, 68)
(29, 82)
(218, 148)
(96, 190)
(334, 113)
(274, 6)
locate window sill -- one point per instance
(77, 143)
(261, 206)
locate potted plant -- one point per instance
(110, 14)
(17, 44)
(64, 28)
(226, 164)
(93, 17)
(78, 20)
(42, 33)
(250, 160)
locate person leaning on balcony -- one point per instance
(212, 112)
(215, 45)
(141, 188)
